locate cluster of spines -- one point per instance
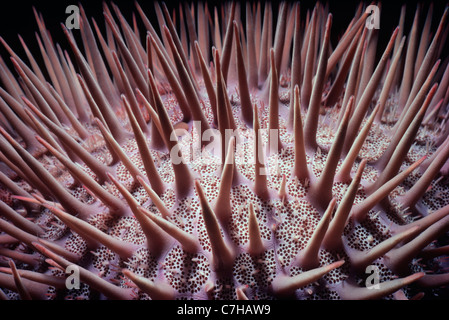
(38, 112)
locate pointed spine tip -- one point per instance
(285, 286)
(156, 291)
(256, 245)
(222, 254)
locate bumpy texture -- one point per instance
(338, 161)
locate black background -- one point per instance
(16, 17)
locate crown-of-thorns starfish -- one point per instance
(235, 152)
